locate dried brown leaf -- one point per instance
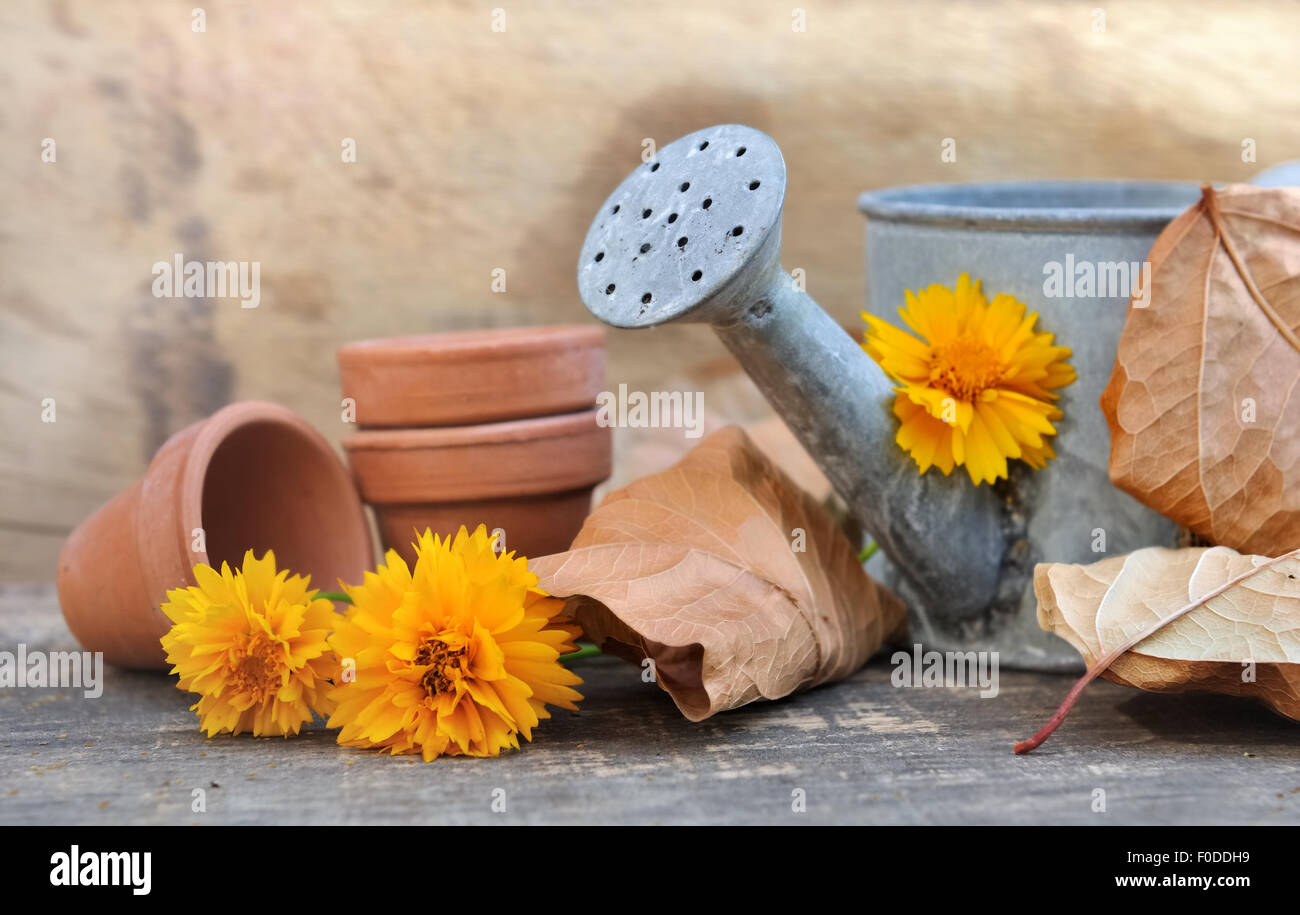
(694, 568)
(1204, 401)
(1180, 620)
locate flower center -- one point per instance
(446, 665)
(257, 665)
(965, 367)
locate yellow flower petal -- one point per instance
(978, 387)
(251, 643)
(457, 655)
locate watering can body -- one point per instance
(694, 235)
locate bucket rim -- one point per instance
(974, 204)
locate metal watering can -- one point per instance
(695, 235)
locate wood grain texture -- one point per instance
(863, 752)
(479, 149)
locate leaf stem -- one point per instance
(336, 596)
(1026, 746)
(1221, 229)
(868, 551)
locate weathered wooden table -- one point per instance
(860, 751)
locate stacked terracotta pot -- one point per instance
(494, 427)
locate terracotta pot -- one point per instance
(531, 477)
(252, 475)
(532, 525)
(473, 376)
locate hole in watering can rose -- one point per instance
(695, 277)
(600, 256)
(645, 247)
(645, 299)
(654, 167)
(615, 210)
(672, 218)
(685, 186)
(267, 487)
(708, 202)
(609, 290)
(741, 151)
(704, 146)
(753, 185)
(738, 230)
(645, 214)
(681, 242)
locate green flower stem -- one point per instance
(585, 650)
(336, 596)
(868, 551)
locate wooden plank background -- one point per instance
(481, 149)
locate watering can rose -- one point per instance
(978, 386)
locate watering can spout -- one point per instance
(694, 235)
(941, 533)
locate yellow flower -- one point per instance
(251, 643)
(978, 387)
(459, 655)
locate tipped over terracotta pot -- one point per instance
(254, 476)
(530, 478)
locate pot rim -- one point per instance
(1061, 206)
(218, 427)
(495, 460)
(521, 432)
(460, 344)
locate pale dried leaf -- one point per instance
(694, 568)
(1204, 401)
(1100, 607)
